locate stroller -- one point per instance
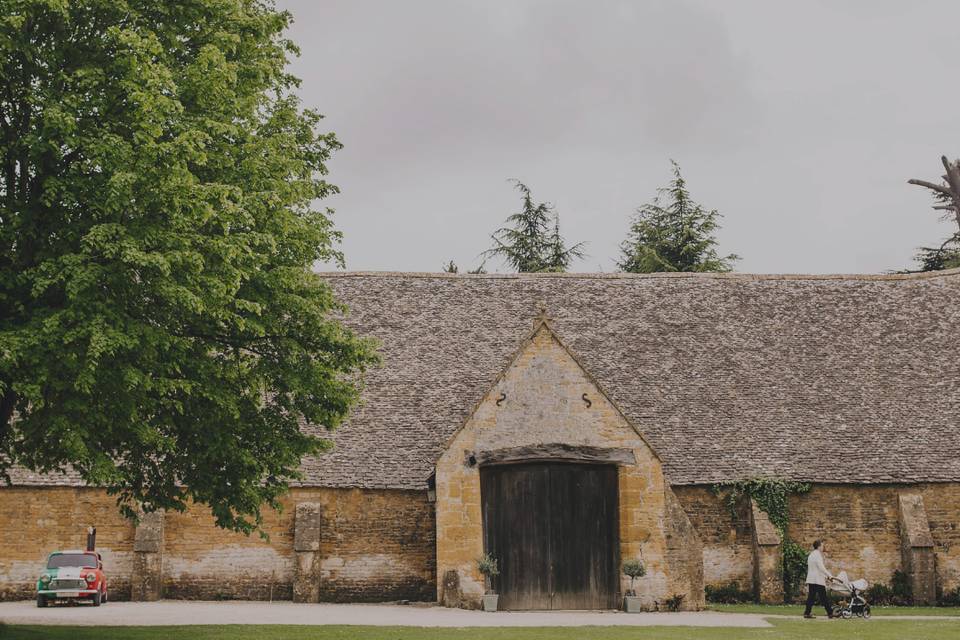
(856, 604)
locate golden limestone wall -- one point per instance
(859, 527)
(374, 545)
(942, 502)
(544, 404)
(380, 545)
(860, 524)
(35, 521)
(726, 539)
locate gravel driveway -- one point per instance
(177, 612)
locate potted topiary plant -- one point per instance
(487, 565)
(633, 569)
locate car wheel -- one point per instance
(96, 599)
(41, 601)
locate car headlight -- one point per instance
(45, 578)
(91, 578)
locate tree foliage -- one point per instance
(452, 267)
(673, 233)
(533, 242)
(946, 197)
(161, 331)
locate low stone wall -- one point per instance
(863, 527)
(373, 546)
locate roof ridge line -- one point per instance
(867, 277)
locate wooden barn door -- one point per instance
(554, 529)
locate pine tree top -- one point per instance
(673, 233)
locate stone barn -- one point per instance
(565, 423)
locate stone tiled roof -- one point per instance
(846, 379)
(821, 378)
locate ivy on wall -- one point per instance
(771, 496)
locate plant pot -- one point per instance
(633, 604)
(490, 601)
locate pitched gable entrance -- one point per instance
(549, 477)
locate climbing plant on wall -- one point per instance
(771, 496)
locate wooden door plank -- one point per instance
(554, 529)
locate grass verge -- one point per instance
(781, 630)
(797, 610)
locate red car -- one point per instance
(72, 576)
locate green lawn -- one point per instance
(796, 610)
(782, 630)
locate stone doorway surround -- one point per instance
(546, 406)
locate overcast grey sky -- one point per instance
(799, 121)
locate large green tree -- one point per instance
(161, 330)
(673, 233)
(946, 195)
(532, 242)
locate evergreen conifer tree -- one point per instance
(532, 244)
(673, 233)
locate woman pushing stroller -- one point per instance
(817, 577)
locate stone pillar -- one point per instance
(767, 563)
(146, 581)
(306, 547)
(916, 549)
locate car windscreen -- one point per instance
(72, 560)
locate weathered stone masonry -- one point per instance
(373, 546)
(392, 559)
(146, 579)
(539, 400)
(306, 545)
(870, 531)
(37, 520)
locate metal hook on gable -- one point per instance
(502, 397)
(587, 400)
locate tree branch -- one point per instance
(939, 188)
(952, 177)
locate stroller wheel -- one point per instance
(846, 614)
(866, 611)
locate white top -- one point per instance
(816, 571)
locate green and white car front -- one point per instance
(71, 575)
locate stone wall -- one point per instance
(726, 540)
(374, 546)
(942, 503)
(540, 401)
(35, 521)
(861, 525)
(380, 545)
